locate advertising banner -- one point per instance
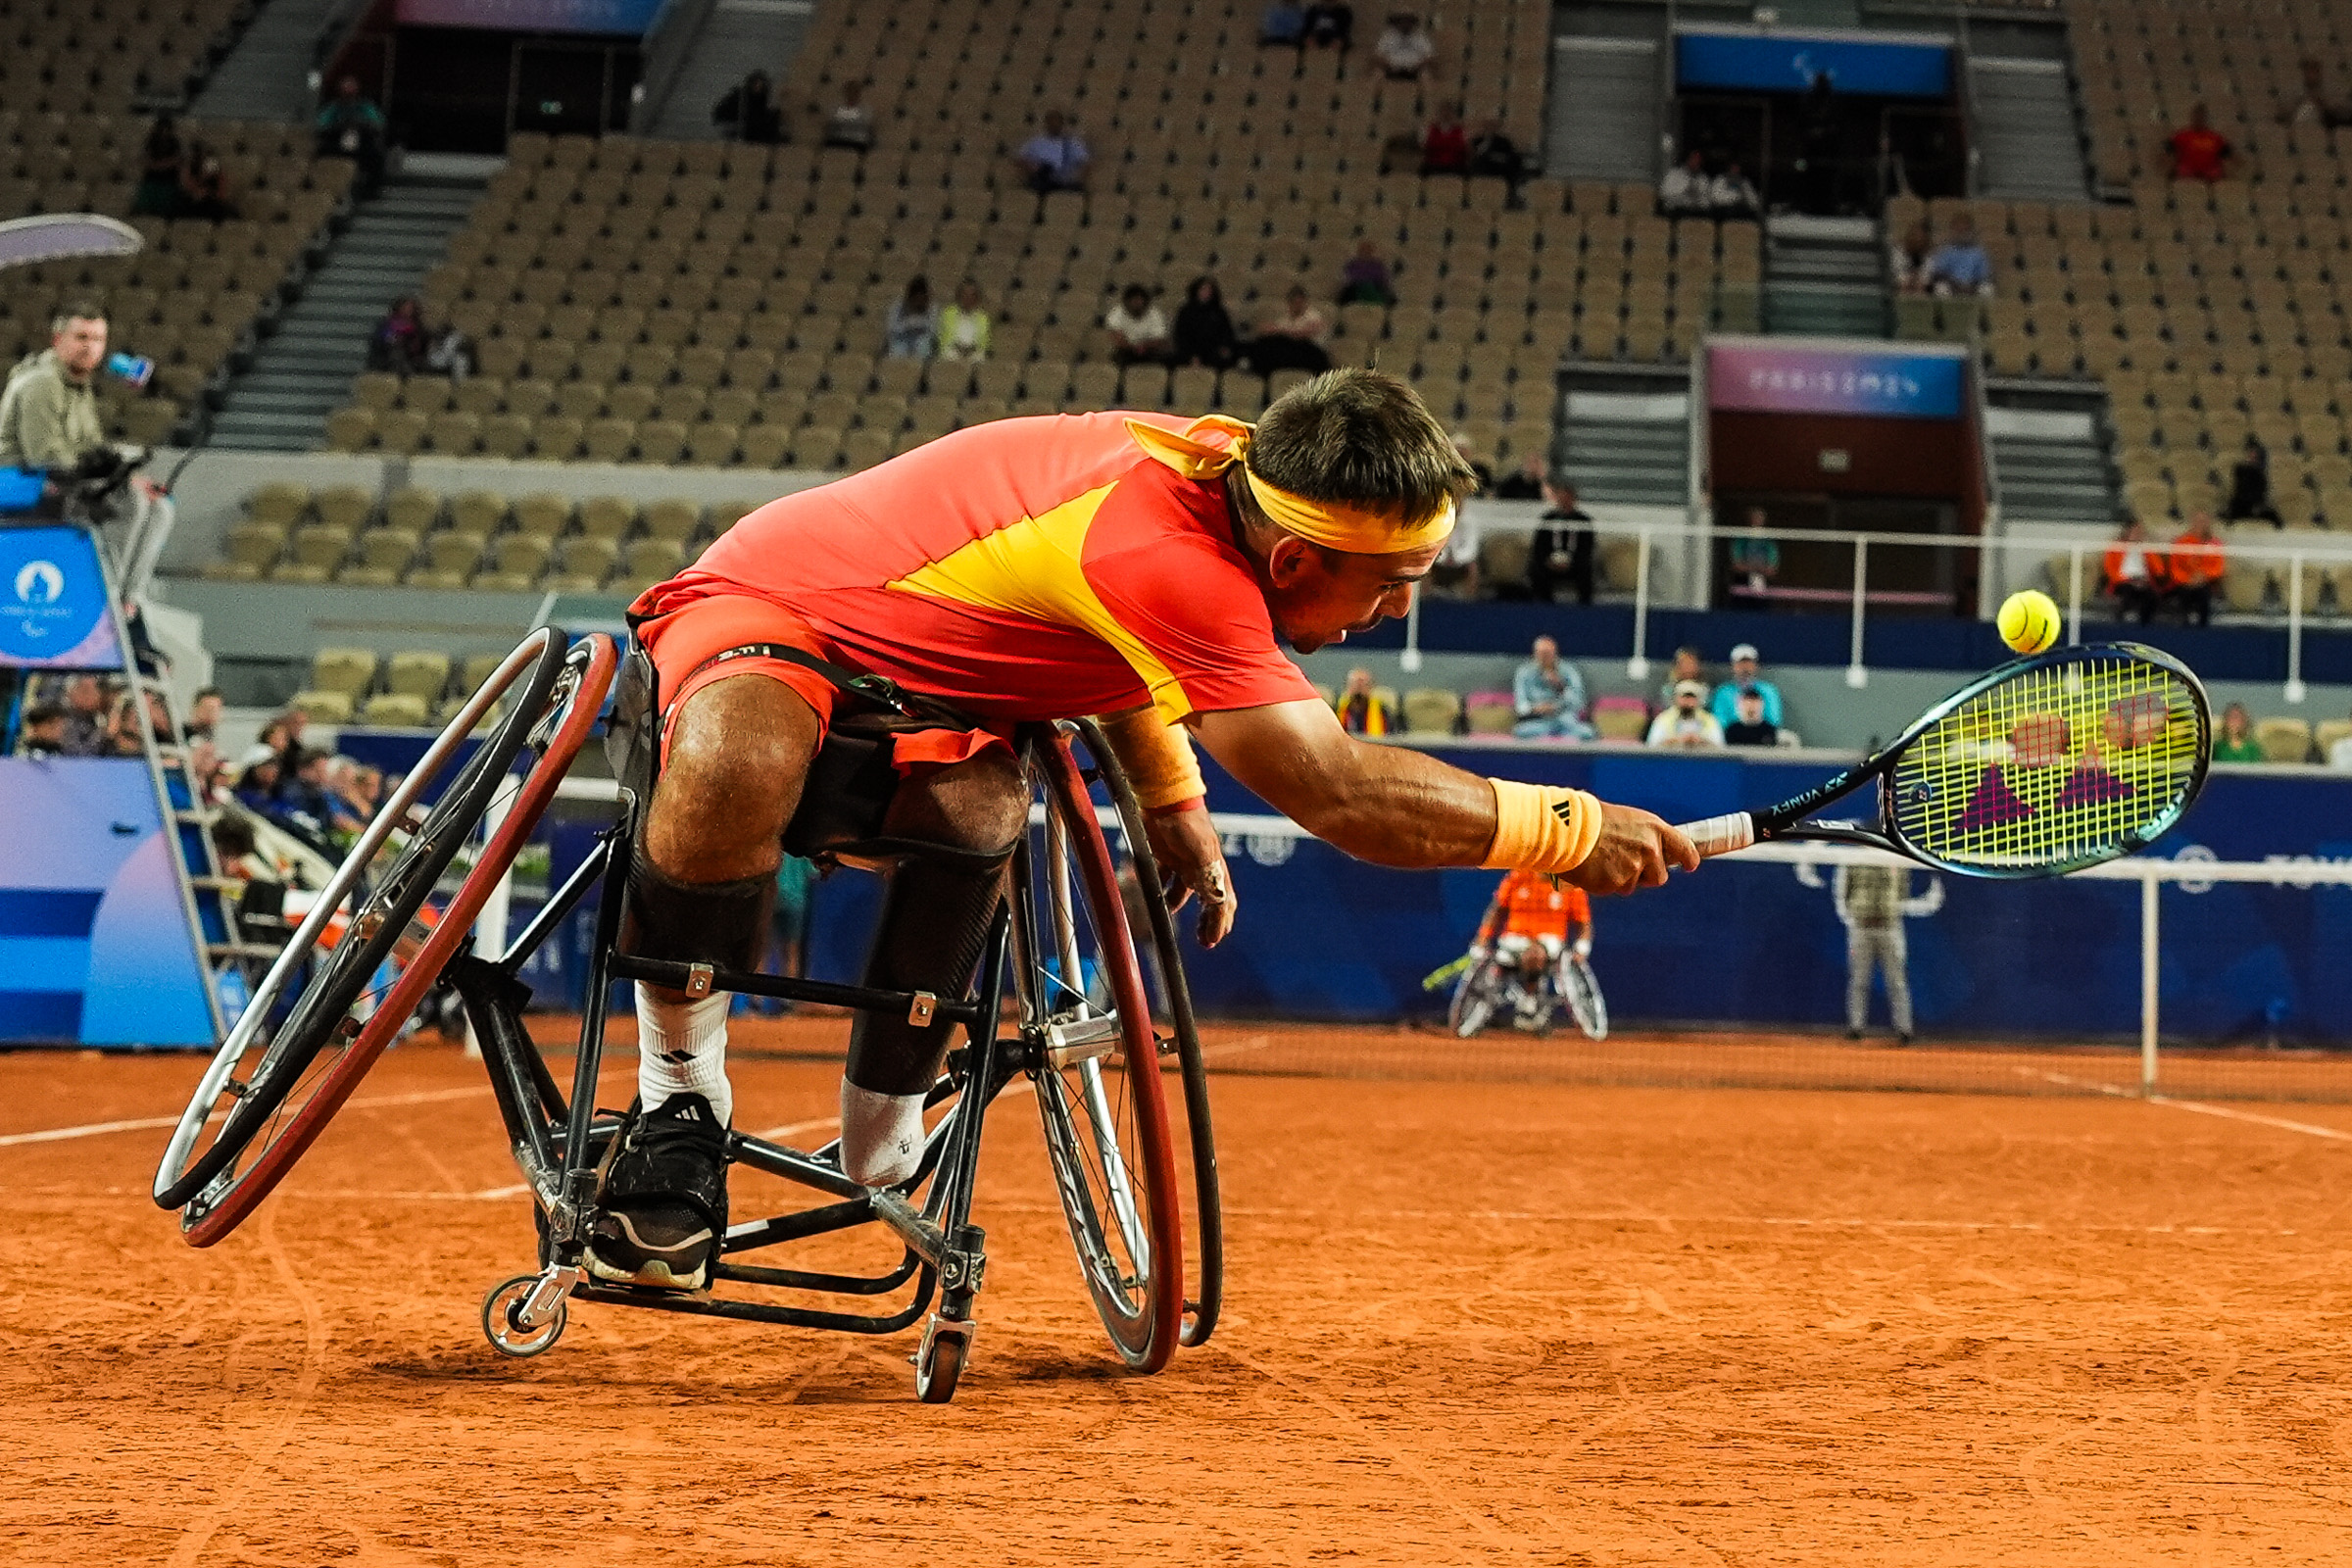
(53, 606)
(1905, 383)
(1780, 62)
(625, 18)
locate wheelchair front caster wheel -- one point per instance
(502, 1319)
(939, 1361)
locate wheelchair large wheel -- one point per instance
(1206, 1217)
(1474, 998)
(362, 959)
(1099, 1088)
(1584, 1002)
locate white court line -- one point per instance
(95, 1129)
(2197, 1106)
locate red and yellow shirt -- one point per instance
(1022, 570)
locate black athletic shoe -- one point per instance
(665, 1203)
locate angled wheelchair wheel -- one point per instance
(1585, 1001)
(398, 909)
(1100, 1094)
(1475, 995)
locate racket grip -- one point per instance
(1720, 835)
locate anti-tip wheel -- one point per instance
(939, 1361)
(501, 1313)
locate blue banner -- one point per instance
(627, 17)
(1751, 376)
(1782, 62)
(53, 606)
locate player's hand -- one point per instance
(1192, 860)
(1635, 850)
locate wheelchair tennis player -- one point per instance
(1138, 568)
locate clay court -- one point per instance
(1468, 1322)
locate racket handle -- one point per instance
(1720, 835)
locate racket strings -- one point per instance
(2059, 765)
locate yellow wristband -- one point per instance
(1541, 827)
(1158, 756)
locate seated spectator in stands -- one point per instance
(1959, 264)
(1139, 331)
(2250, 487)
(963, 326)
(86, 733)
(1907, 259)
(358, 790)
(1204, 333)
(1744, 678)
(204, 715)
(208, 773)
(1688, 190)
(1360, 710)
(1754, 558)
(344, 796)
(302, 801)
(848, 122)
(400, 342)
(1560, 552)
(1365, 279)
(1283, 26)
(1293, 340)
(1685, 722)
(1748, 725)
(911, 332)
(1331, 25)
(1688, 667)
(2193, 569)
(1523, 483)
(351, 127)
(1549, 697)
(2135, 573)
(2339, 755)
(1494, 156)
(2199, 151)
(1403, 48)
(2312, 106)
(750, 111)
(1732, 194)
(2235, 742)
(257, 777)
(43, 732)
(1446, 143)
(158, 194)
(1055, 157)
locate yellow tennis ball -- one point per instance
(2028, 621)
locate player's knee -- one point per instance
(738, 754)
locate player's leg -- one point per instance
(935, 918)
(1859, 958)
(1895, 955)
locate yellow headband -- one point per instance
(1333, 524)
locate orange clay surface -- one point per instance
(1469, 1322)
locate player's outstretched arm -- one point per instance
(1397, 807)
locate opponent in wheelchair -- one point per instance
(1530, 959)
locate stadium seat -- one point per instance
(2284, 740)
(413, 508)
(543, 514)
(1488, 712)
(397, 711)
(419, 674)
(1503, 559)
(607, 516)
(384, 555)
(1619, 719)
(351, 430)
(348, 670)
(2326, 735)
(324, 707)
(1432, 709)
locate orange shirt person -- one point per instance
(2196, 568)
(2137, 572)
(1535, 919)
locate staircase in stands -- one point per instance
(1624, 434)
(1824, 276)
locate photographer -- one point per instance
(49, 415)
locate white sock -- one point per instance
(881, 1135)
(682, 1049)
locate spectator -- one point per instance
(2312, 106)
(2237, 743)
(1686, 724)
(1907, 261)
(750, 111)
(1138, 332)
(1494, 156)
(1688, 191)
(1283, 26)
(849, 123)
(1549, 697)
(158, 193)
(204, 715)
(911, 332)
(1204, 333)
(1403, 48)
(1732, 195)
(207, 774)
(2250, 487)
(1055, 157)
(1561, 553)
(1331, 26)
(1445, 144)
(1872, 901)
(44, 731)
(1479, 466)
(2199, 151)
(1748, 725)
(1754, 558)
(348, 803)
(2135, 573)
(86, 724)
(49, 415)
(1293, 340)
(963, 326)
(1360, 710)
(401, 343)
(1959, 264)
(204, 186)
(1366, 279)
(351, 127)
(2339, 755)
(1688, 666)
(2193, 569)
(1523, 483)
(1724, 704)
(257, 780)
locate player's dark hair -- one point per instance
(75, 311)
(1362, 438)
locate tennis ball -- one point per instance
(2028, 621)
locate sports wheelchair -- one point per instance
(1060, 1001)
(1493, 982)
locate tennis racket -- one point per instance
(2040, 767)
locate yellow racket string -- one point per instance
(2056, 765)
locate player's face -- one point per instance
(1318, 597)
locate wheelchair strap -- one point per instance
(877, 690)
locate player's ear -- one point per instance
(1290, 561)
